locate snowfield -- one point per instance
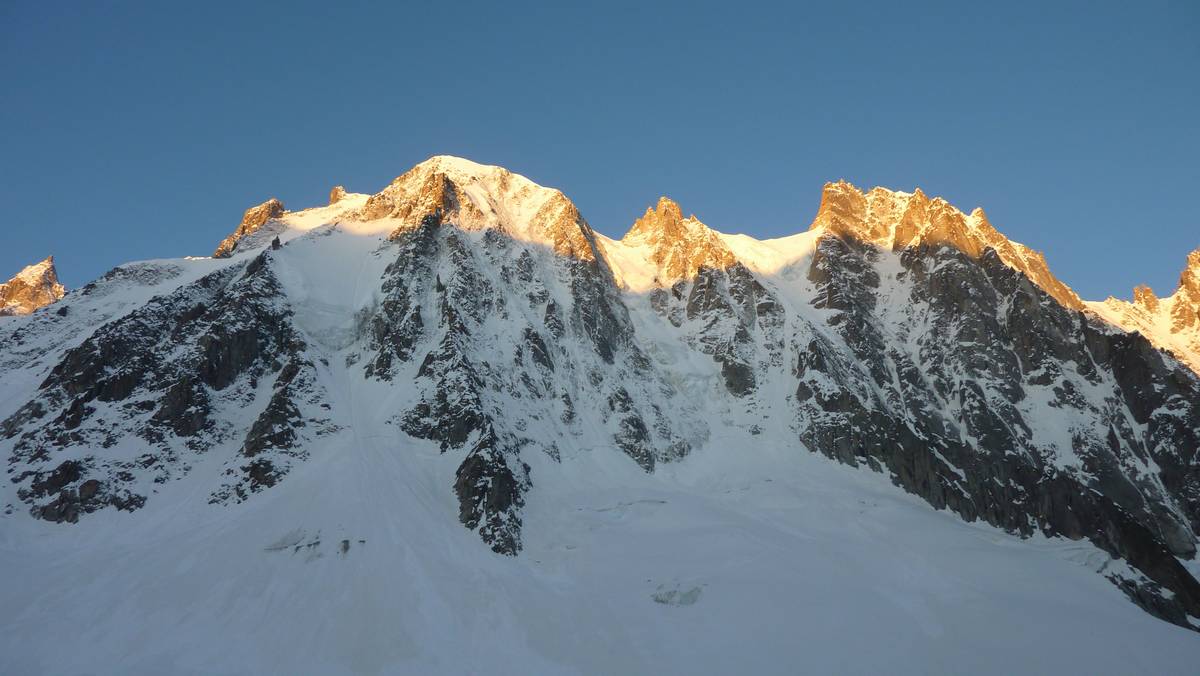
(783, 562)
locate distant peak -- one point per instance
(41, 272)
(841, 199)
(261, 213)
(456, 168)
(472, 196)
(1189, 282)
(254, 218)
(898, 220)
(1144, 296)
(665, 218)
(1171, 323)
(336, 194)
(679, 246)
(669, 207)
(33, 287)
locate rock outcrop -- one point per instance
(252, 221)
(1171, 323)
(897, 220)
(678, 247)
(34, 287)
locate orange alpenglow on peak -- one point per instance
(1171, 323)
(472, 196)
(254, 218)
(679, 246)
(1185, 311)
(898, 220)
(35, 286)
(665, 217)
(1144, 296)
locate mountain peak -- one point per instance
(255, 218)
(1185, 310)
(33, 287)
(664, 217)
(1189, 280)
(678, 246)
(1171, 323)
(475, 196)
(1144, 296)
(897, 220)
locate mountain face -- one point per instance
(1172, 323)
(466, 315)
(34, 287)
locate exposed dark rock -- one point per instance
(491, 493)
(948, 422)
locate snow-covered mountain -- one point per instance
(897, 426)
(1171, 323)
(35, 286)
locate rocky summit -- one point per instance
(457, 381)
(35, 286)
(1171, 323)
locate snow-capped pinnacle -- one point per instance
(254, 218)
(678, 246)
(898, 220)
(33, 287)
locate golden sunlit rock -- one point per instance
(897, 220)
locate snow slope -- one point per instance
(763, 560)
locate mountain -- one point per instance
(34, 287)
(1172, 323)
(450, 408)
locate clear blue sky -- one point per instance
(131, 130)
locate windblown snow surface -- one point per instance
(747, 556)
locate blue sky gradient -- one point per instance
(142, 130)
